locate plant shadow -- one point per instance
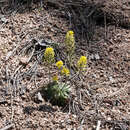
(44, 108)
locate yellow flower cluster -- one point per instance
(55, 78)
(59, 64)
(49, 55)
(70, 41)
(65, 71)
(81, 64)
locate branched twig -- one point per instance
(7, 127)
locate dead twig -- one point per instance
(98, 125)
(7, 127)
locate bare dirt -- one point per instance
(105, 93)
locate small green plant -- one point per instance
(57, 93)
(58, 89)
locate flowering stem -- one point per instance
(70, 60)
(49, 73)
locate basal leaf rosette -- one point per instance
(57, 93)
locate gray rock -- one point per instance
(97, 57)
(39, 96)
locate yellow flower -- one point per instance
(81, 64)
(70, 32)
(65, 71)
(55, 78)
(49, 55)
(70, 41)
(59, 64)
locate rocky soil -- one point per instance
(105, 93)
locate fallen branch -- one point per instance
(98, 125)
(7, 127)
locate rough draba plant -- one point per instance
(58, 90)
(57, 93)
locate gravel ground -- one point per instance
(106, 89)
